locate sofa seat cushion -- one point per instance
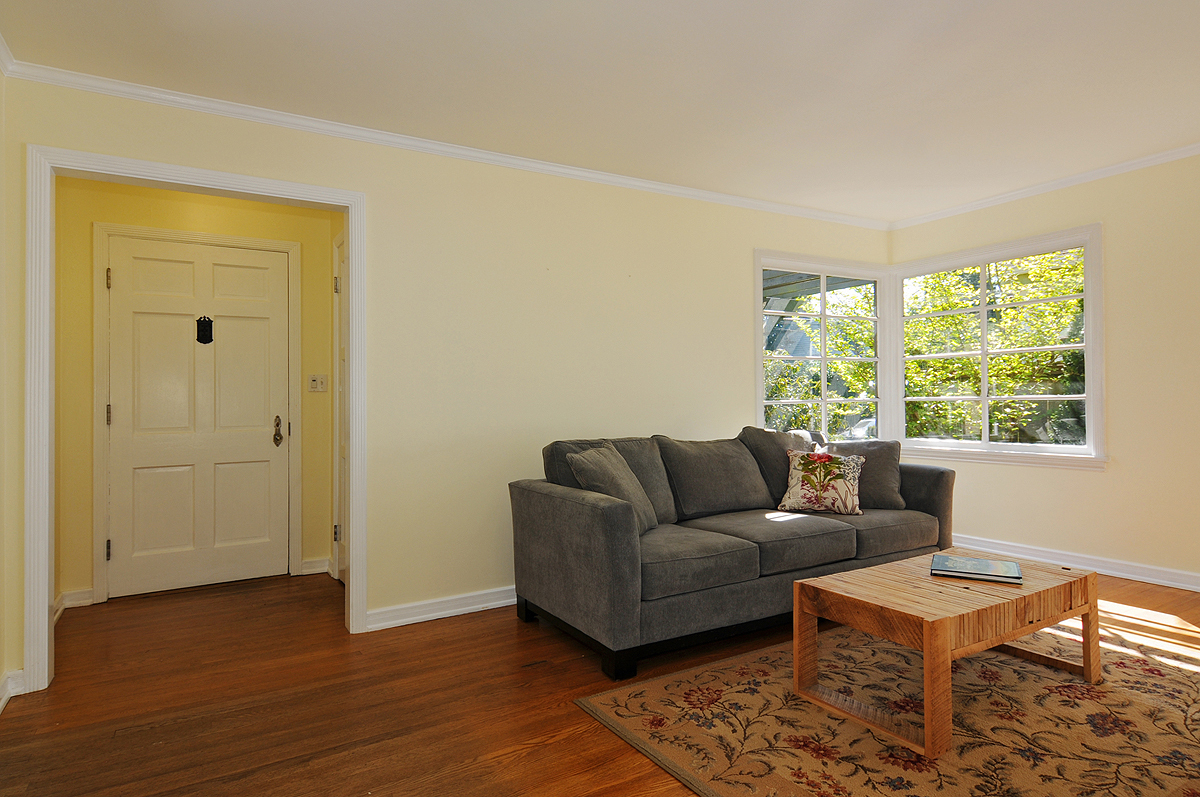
(884, 531)
(786, 540)
(677, 560)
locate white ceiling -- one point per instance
(886, 110)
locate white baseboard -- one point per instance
(1181, 579)
(11, 685)
(71, 599)
(313, 566)
(409, 613)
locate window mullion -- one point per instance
(889, 372)
(824, 397)
(985, 414)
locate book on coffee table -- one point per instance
(979, 569)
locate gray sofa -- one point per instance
(709, 555)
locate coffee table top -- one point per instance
(897, 599)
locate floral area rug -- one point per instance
(736, 728)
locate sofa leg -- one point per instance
(525, 612)
(619, 664)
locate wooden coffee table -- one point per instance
(946, 619)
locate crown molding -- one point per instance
(1053, 185)
(7, 62)
(192, 102)
(12, 68)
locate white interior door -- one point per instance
(198, 476)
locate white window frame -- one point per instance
(889, 309)
(1091, 455)
(824, 268)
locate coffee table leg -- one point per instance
(804, 648)
(1091, 636)
(939, 703)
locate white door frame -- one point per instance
(101, 232)
(336, 565)
(43, 164)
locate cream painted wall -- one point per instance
(504, 309)
(1137, 509)
(80, 203)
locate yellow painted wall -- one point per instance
(1137, 509)
(504, 309)
(80, 203)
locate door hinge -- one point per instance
(108, 415)
(108, 550)
(337, 533)
(337, 284)
(289, 428)
(108, 278)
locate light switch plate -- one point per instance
(318, 383)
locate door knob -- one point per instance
(278, 438)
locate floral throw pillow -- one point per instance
(821, 482)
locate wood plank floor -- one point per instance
(256, 688)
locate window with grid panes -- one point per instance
(994, 354)
(820, 353)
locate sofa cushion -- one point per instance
(603, 470)
(884, 531)
(879, 483)
(713, 476)
(769, 448)
(641, 453)
(677, 560)
(786, 540)
(822, 482)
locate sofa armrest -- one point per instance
(577, 554)
(930, 489)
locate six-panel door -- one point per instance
(198, 486)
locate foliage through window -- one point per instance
(995, 353)
(820, 355)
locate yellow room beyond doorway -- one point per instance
(79, 204)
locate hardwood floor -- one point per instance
(256, 688)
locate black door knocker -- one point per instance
(204, 329)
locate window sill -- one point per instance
(1038, 459)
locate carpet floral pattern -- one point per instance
(1020, 729)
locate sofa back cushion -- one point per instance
(879, 484)
(640, 453)
(713, 476)
(770, 451)
(603, 470)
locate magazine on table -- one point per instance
(980, 569)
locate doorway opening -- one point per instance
(44, 165)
